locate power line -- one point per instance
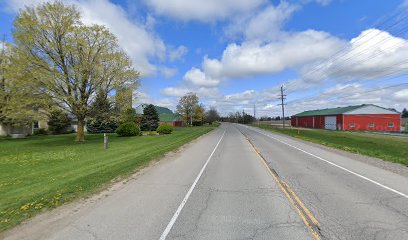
(342, 52)
(360, 92)
(362, 52)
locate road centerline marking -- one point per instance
(308, 219)
(308, 213)
(181, 206)
(335, 165)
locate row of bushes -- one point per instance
(132, 129)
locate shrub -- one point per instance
(59, 122)
(98, 125)
(128, 129)
(164, 129)
(40, 131)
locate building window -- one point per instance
(390, 125)
(371, 125)
(352, 125)
(36, 125)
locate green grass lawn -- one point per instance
(389, 148)
(42, 172)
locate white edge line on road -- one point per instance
(177, 213)
(338, 166)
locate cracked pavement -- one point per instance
(236, 197)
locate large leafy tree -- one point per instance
(150, 119)
(68, 60)
(198, 115)
(19, 101)
(186, 107)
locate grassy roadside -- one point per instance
(43, 172)
(388, 148)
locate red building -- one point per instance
(365, 117)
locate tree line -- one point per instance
(239, 117)
(193, 112)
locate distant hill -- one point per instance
(163, 110)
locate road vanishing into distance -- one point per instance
(240, 182)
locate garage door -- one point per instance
(330, 123)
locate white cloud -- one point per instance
(243, 96)
(322, 2)
(402, 95)
(265, 49)
(175, 91)
(205, 11)
(268, 23)
(14, 5)
(202, 92)
(140, 97)
(178, 53)
(264, 25)
(372, 55)
(196, 77)
(291, 51)
(168, 72)
(140, 44)
(170, 103)
(143, 97)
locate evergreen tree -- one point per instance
(101, 106)
(59, 122)
(150, 119)
(404, 113)
(102, 118)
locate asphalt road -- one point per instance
(240, 182)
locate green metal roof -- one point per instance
(328, 111)
(168, 117)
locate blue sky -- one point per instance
(237, 53)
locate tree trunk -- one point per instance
(80, 136)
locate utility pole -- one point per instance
(283, 97)
(254, 111)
